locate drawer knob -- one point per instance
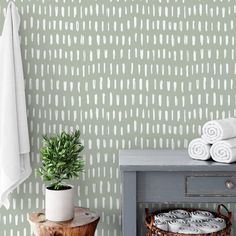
(229, 184)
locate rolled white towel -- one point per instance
(216, 130)
(208, 228)
(193, 221)
(175, 225)
(179, 213)
(189, 230)
(201, 215)
(161, 225)
(164, 217)
(217, 221)
(199, 149)
(224, 151)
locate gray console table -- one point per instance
(171, 177)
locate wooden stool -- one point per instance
(83, 224)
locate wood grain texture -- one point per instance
(84, 223)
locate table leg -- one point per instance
(129, 204)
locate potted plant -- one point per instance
(61, 161)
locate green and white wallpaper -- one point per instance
(130, 74)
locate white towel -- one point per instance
(208, 228)
(224, 151)
(179, 213)
(161, 225)
(217, 221)
(199, 149)
(201, 215)
(164, 217)
(189, 230)
(217, 130)
(14, 139)
(195, 221)
(175, 225)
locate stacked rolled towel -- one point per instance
(180, 214)
(175, 225)
(162, 225)
(217, 221)
(224, 151)
(165, 217)
(195, 222)
(207, 228)
(218, 141)
(217, 130)
(199, 149)
(201, 215)
(189, 230)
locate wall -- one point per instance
(129, 74)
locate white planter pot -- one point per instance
(59, 204)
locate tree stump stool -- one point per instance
(84, 223)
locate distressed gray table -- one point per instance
(170, 177)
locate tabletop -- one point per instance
(166, 160)
(84, 223)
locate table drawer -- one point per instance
(197, 186)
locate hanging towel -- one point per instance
(14, 139)
(199, 149)
(217, 130)
(224, 151)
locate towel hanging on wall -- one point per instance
(14, 138)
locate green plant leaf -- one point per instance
(61, 160)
